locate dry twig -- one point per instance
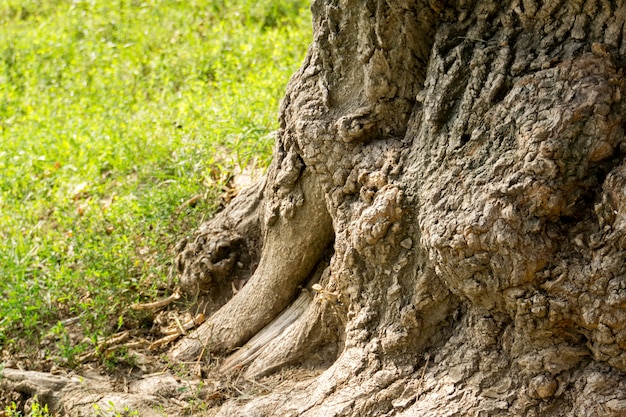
(157, 304)
(174, 332)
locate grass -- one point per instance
(112, 114)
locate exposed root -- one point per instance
(292, 248)
(308, 332)
(86, 396)
(341, 390)
(218, 255)
(251, 350)
(314, 339)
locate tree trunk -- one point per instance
(443, 228)
(470, 157)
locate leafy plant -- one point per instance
(36, 410)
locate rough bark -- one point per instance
(445, 214)
(471, 156)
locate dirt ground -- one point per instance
(127, 374)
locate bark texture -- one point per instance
(471, 157)
(443, 228)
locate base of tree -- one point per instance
(442, 230)
(469, 371)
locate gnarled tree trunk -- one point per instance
(452, 175)
(443, 228)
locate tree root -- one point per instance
(73, 396)
(251, 350)
(309, 331)
(292, 248)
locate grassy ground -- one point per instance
(112, 115)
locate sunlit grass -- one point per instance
(112, 114)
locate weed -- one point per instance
(112, 410)
(65, 347)
(36, 410)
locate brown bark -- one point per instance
(471, 158)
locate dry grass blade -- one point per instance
(130, 345)
(178, 329)
(104, 346)
(181, 328)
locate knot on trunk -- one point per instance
(208, 262)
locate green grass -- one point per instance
(112, 114)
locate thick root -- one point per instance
(251, 350)
(292, 248)
(308, 332)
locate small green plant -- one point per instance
(112, 410)
(36, 410)
(12, 411)
(66, 349)
(119, 356)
